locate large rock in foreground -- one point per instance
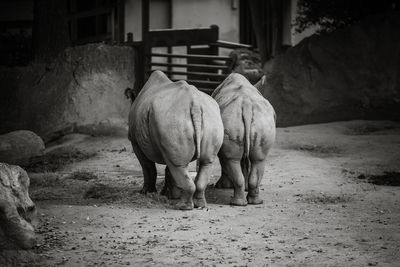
(352, 73)
(82, 88)
(20, 147)
(17, 211)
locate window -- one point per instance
(93, 21)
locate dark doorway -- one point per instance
(246, 31)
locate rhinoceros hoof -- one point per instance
(254, 200)
(174, 196)
(175, 193)
(146, 190)
(199, 202)
(184, 205)
(238, 201)
(171, 193)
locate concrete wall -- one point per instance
(194, 13)
(133, 18)
(185, 14)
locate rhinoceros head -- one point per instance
(17, 211)
(131, 94)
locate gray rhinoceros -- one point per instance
(173, 123)
(249, 132)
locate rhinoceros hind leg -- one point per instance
(201, 185)
(149, 171)
(175, 192)
(146, 189)
(254, 200)
(170, 190)
(199, 202)
(184, 206)
(185, 184)
(256, 175)
(224, 182)
(234, 171)
(238, 202)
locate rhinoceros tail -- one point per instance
(247, 116)
(197, 118)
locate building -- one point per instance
(111, 20)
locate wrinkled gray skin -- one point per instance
(173, 123)
(249, 132)
(17, 211)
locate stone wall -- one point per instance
(82, 89)
(352, 73)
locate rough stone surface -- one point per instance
(352, 73)
(17, 211)
(83, 87)
(20, 147)
(247, 63)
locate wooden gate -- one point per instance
(188, 54)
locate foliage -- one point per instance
(329, 15)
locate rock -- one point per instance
(109, 126)
(20, 147)
(351, 73)
(247, 63)
(17, 211)
(84, 86)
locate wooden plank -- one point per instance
(201, 74)
(197, 56)
(230, 45)
(182, 37)
(200, 83)
(221, 67)
(193, 50)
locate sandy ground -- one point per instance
(322, 206)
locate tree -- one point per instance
(329, 15)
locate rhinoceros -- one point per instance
(249, 132)
(173, 123)
(17, 211)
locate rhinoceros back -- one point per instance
(167, 122)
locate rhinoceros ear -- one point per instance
(131, 94)
(260, 83)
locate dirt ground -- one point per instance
(331, 197)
